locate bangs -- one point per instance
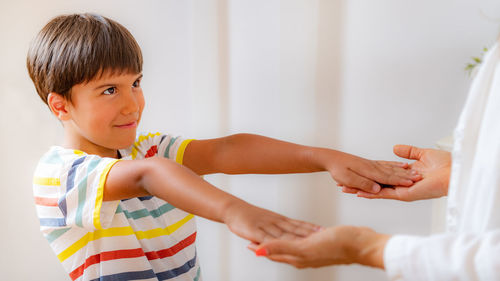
(77, 48)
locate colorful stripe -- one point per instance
(106, 256)
(100, 194)
(166, 154)
(145, 212)
(169, 274)
(53, 222)
(153, 255)
(180, 152)
(53, 235)
(82, 192)
(198, 273)
(156, 232)
(46, 181)
(132, 253)
(133, 275)
(120, 231)
(70, 183)
(91, 236)
(44, 201)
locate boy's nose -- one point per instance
(131, 103)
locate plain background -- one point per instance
(357, 75)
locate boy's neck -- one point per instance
(88, 147)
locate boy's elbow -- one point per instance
(130, 178)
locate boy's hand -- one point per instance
(259, 225)
(367, 175)
(434, 165)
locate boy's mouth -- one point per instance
(127, 125)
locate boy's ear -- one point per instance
(59, 106)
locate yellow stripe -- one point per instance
(163, 231)
(100, 194)
(138, 142)
(91, 236)
(46, 181)
(179, 158)
(120, 231)
(79, 152)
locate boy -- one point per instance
(102, 195)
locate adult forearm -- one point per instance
(186, 190)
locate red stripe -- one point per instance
(132, 253)
(172, 250)
(106, 256)
(52, 202)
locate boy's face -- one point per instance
(104, 114)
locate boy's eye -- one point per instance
(110, 91)
(136, 84)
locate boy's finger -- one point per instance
(356, 181)
(297, 229)
(350, 190)
(307, 225)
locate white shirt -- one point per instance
(470, 250)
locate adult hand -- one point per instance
(434, 166)
(259, 225)
(330, 246)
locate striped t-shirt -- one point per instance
(141, 238)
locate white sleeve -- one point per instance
(444, 257)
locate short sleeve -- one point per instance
(78, 195)
(156, 144)
(173, 148)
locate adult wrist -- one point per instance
(370, 247)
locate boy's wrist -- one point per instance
(320, 158)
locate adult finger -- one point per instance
(407, 151)
(279, 247)
(385, 193)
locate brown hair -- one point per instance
(73, 49)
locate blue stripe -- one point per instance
(169, 274)
(133, 275)
(137, 214)
(82, 191)
(198, 272)
(143, 198)
(53, 222)
(53, 235)
(70, 184)
(172, 141)
(52, 158)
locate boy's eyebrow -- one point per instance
(106, 84)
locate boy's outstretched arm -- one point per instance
(184, 189)
(247, 154)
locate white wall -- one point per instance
(354, 75)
